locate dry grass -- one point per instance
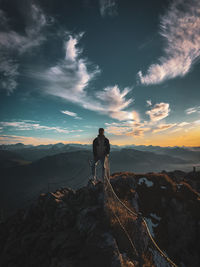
(188, 191)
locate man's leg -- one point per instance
(102, 168)
(94, 165)
(107, 166)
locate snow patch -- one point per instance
(153, 215)
(163, 187)
(159, 260)
(146, 181)
(151, 225)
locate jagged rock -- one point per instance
(70, 228)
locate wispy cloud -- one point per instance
(113, 102)
(14, 44)
(70, 77)
(163, 127)
(27, 126)
(159, 111)
(183, 124)
(180, 27)
(149, 103)
(138, 132)
(70, 113)
(195, 109)
(108, 8)
(138, 128)
(128, 128)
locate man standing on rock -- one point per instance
(101, 150)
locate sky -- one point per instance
(70, 67)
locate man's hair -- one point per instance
(101, 130)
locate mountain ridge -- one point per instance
(69, 228)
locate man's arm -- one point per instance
(107, 146)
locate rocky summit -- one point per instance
(69, 228)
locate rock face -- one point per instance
(171, 210)
(70, 228)
(64, 228)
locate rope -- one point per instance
(121, 225)
(128, 236)
(161, 252)
(135, 214)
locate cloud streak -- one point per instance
(195, 109)
(71, 114)
(180, 28)
(163, 127)
(27, 126)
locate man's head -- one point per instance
(101, 131)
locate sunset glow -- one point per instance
(95, 65)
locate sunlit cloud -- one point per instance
(118, 130)
(158, 111)
(180, 27)
(138, 128)
(183, 124)
(113, 103)
(108, 8)
(138, 132)
(186, 126)
(149, 103)
(193, 110)
(163, 127)
(71, 49)
(197, 122)
(70, 76)
(128, 128)
(71, 114)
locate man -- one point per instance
(101, 149)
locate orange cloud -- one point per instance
(189, 137)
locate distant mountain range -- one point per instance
(31, 153)
(22, 180)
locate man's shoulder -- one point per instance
(106, 139)
(95, 139)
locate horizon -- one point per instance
(77, 143)
(69, 68)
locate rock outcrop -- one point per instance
(70, 228)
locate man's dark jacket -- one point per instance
(96, 143)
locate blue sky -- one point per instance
(68, 68)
